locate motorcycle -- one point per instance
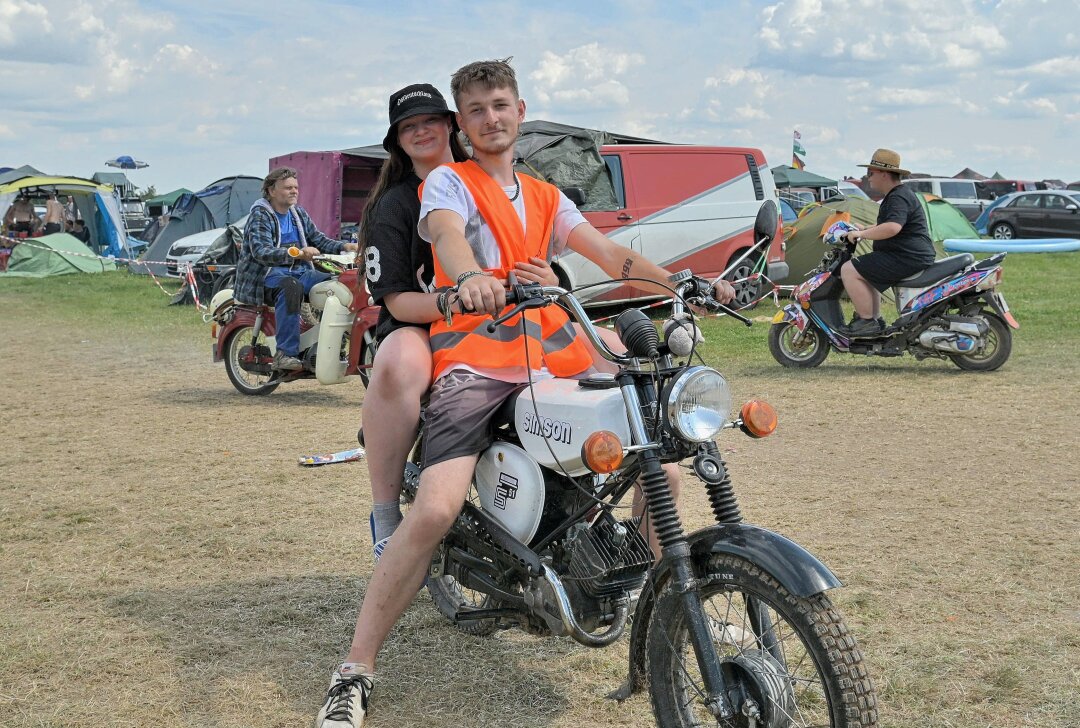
(341, 344)
(732, 624)
(951, 310)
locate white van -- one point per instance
(965, 194)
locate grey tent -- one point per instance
(215, 206)
(569, 156)
(118, 180)
(24, 171)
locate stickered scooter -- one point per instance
(951, 310)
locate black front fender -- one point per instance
(797, 570)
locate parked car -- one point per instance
(983, 221)
(962, 193)
(1001, 187)
(850, 189)
(185, 251)
(1039, 214)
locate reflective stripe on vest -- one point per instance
(554, 342)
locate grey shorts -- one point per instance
(458, 420)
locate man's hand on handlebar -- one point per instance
(309, 253)
(723, 291)
(537, 270)
(482, 294)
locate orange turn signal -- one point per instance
(602, 452)
(759, 418)
(213, 331)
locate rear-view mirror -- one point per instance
(575, 195)
(765, 224)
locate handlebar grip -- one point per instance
(294, 252)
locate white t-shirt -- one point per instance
(445, 190)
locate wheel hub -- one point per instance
(762, 691)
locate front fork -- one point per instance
(675, 550)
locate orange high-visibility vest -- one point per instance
(552, 339)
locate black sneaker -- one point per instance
(863, 328)
(346, 701)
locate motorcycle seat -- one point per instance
(938, 270)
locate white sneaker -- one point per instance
(346, 701)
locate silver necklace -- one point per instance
(517, 190)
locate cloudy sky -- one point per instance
(204, 89)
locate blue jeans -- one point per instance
(288, 324)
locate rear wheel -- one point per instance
(797, 349)
(250, 383)
(1002, 231)
(786, 660)
(367, 356)
(747, 290)
(994, 353)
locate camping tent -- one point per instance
(13, 174)
(569, 156)
(805, 248)
(97, 205)
(54, 255)
(215, 206)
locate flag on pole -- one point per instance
(797, 152)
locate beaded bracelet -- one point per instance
(467, 275)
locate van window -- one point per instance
(958, 190)
(920, 186)
(755, 176)
(614, 165)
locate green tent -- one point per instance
(54, 255)
(785, 176)
(945, 221)
(169, 198)
(803, 237)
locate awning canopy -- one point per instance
(785, 176)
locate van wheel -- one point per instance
(747, 292)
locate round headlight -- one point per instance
(698, 404)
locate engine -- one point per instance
(607, 559)
(953, 334)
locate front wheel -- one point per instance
(787, 661)
(995, 352)
(797, 349)
(250, 383)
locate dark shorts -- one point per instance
(52, 227)
(459, 415)
(883, 270)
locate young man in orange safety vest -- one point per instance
(484, 221)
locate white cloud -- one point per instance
(20, 18)
(585, 76)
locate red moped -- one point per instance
(340, 345)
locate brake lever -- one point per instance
(527, 303)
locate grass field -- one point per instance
(163, 561)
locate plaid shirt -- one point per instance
(262, 249)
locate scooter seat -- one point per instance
(940, 269)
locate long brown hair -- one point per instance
(396, 170)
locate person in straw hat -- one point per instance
(902, 245)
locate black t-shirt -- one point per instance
(913, 241)
(396, 259)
